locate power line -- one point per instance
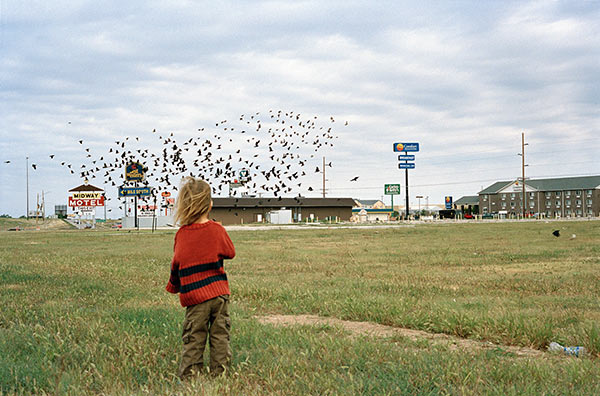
(554, 143)
(470, 181)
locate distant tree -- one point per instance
(5, 216)
(22, 217)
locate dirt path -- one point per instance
(377, 330)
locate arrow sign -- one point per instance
(408, 165)
(406, 157)
(130, 191)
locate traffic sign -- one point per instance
(407, 165)
(406, 147)
(391, 189)
(402, 157)
(132, 191)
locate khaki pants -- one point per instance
(209, 319)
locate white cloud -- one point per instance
(462, 79)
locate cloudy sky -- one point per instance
(462, 78)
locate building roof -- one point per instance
(468, 200)
(275, 202)
(357, 210)
(494, 188)
(555, 184)
(85, 187)
(368, 201)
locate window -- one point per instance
(531, 204)
(548, 195)
(557, 204)
(578, 193)
(485, 197)
(484, 210)
(512, 196)
(548, 204)
(568, 212)
(589, 193)
(512, 205)
(557, 194)
(578, 202)
(568, 202)
(503, 205)
(579, 212)
(589, 202)
(503, 197)
(567, 193)
(531, 195)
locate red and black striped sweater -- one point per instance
(197, 272)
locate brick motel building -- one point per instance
(256, 210)
(558, 197)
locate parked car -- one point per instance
(469, 216)
(117, 225)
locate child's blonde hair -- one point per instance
(193, 200)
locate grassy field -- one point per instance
(85, 312)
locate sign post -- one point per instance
(85, 199)
(165, 195)
(404, 148)
(135, 171)
(392, 189)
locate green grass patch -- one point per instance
(86, 312)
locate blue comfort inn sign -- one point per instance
(406, 147)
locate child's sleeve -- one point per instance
(174, 282)
(228, 248)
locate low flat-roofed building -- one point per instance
(469, 204)
(245, 210)
(557, 197)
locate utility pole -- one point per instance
(524, 200)
(27, 178)
(323, 176)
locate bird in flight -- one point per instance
(355, 178)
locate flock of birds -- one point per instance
(275, 149)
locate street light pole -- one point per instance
(419, 197)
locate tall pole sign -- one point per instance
(404, 148)
(134, 171)
(392, 189)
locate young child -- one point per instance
(198, 276)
